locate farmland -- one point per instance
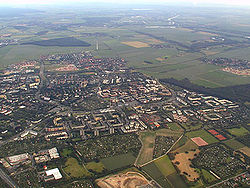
(164, 173)
(63, 42)
(134, 44)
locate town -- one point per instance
(84, 109)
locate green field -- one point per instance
(189, 126)
(66, 152)
(165, 165)
(96, 167)
(238, 131)
(204, 135)
(185, 144)
(164, 173)
(174, 126)
(74, 169)
(234, 144)
(208, 176)
(118, 161)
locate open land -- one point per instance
(82, 95)
(128, 180)
(183, 162)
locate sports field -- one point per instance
(204, 135)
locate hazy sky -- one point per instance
(195, 2)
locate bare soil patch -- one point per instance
(128, 180)
(182, 161)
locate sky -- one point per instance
(195, 2)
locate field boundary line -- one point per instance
(164, 153)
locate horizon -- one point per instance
(146, 2)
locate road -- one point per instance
(215, 185)
(7, 179)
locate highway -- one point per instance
(7, 179)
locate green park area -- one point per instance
(203, 134)
(74, 169)
(238, 131)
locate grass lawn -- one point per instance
(208, 176)
(66, 152)
(234, 144)
(165, 165)
(238, 131)
(97, 167)
(204, 135)
(74, 169)
(118, 161)
(195, 126)
(174, 126)
(187, 146)
(176, 181)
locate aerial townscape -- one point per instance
(135, 98)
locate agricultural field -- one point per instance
(136, 44)
(165, 165)
(204, 135)
(164, 173)
(245, 150)
(238, 131)
(148, 143)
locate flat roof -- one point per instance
(55, 172)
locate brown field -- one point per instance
(148, 140)
(245, 150)
(154, 41)
(207, 52)
(136, 44)
(147, 150)
(243, 25)
(159, 59)
(184, 164)
(185, 29)
(199, 141)
(206, 33)
(128, 180)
